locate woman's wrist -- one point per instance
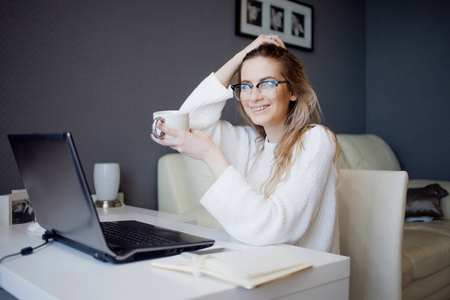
(226, 73)
(216, 161)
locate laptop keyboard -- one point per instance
(125, 236)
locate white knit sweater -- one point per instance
(302, 211)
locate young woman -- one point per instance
(275, 179)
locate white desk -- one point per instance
(60, 272)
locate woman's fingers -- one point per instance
(278, 41)
(265, 39)
(274, 39)
(168, 131)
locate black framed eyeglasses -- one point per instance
(267, 89)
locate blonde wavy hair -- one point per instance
(304, 114)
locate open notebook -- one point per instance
(248, 268)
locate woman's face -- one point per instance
(269, 113)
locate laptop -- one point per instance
(59, 194)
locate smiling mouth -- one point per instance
(260, 108)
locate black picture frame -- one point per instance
(291, 20)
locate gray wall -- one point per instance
(408, 82)
(100, 68)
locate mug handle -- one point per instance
(155, 129)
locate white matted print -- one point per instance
(15, 208)
(291, 20)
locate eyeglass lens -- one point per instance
(267, 89)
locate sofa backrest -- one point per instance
(366, 152)
(182, 181)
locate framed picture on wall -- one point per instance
(291, 20)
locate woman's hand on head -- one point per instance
(195, 144)
(264, 39)
(229, 69)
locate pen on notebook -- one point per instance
(193, 255)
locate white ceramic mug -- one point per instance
(106, 181)
(171, 118)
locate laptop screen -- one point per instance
(56, 185)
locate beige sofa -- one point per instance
(426, 246)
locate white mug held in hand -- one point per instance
(106, 181)
(171, 118)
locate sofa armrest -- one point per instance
(445, 202)
(173, 192)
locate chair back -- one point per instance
(371, 214)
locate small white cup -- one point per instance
(171, 118)
(106, 181)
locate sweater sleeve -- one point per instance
(290, 213)
(205, 104)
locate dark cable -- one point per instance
(29, 250)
